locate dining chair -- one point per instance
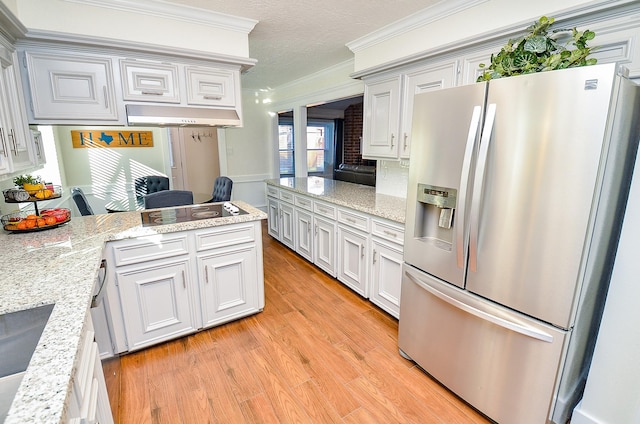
(165, 198)
(221, 190)
(150, 184)
(81, 201)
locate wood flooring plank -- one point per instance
(220, 394)
(386, 382)
(258, 410)
(321, 371)
(283, 402)
(244, 384)
(134, 402)
(382, 409)
(112, 373)
(315, 404)
(360, 416)
(164, 407)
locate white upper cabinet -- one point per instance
(65, 87)
(92, 86)
(149, 82)
(211, 86)
(381, 117)
(417, 81)
(17, 149)
(388, 107)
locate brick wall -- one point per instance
(353, 136)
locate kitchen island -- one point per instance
(59, 266)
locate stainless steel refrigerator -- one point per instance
(517, 189)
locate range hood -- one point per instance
(177, 116)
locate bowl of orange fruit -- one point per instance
(26, 221)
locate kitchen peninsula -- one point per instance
(59, 267)
(348, 230)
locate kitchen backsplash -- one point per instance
(392, 177)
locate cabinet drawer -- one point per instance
(387, 231)
(303, 202)
(148, 249)
(149, 82)
(353, 219)
(286, 195)
(324, 209)
(272, 191)
(210, 86)
(224, 236)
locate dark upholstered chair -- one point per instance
(166, 198)
(150, 184)
(221, 190)
(81, 201)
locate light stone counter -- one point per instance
(355, 196)
(59, 266)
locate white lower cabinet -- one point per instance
(324, 245)
(386, 275)
(157, 301)
(228, 284)
(89, 400)
(281, 222)
(304, 233)
(352, 259)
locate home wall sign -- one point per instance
(100, 138)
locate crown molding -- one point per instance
(426, 16)
(83, 43)
(10, 27)
(173, 11)
(587, 14)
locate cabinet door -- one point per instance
(211, 87)
(419, 81)
(5, 141)
(324, 245)
(228, 284)
(304, 234)
(471, 69)
(149, 82)
(381, 118)
(156, 301)
(71, 87)
(287, 225)
(273, 218)
(17, 135)
(352, 262)
(386, 277)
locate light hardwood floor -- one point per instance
(318, 353)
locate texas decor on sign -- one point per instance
(100, 138)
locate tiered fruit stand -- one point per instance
(38, 220)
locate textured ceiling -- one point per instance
(295, 38)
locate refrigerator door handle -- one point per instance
(461, 228)
(502, 322)
(478, 183)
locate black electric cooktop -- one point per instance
(190, 213)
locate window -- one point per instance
(320, 135)
(285, 149)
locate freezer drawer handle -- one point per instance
(513, 326)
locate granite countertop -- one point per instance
(355, 196)
(59, 266)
